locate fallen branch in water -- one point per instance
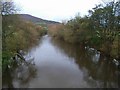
(19, 55)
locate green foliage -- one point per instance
(6, 60)
(95, 40)
(99, 29)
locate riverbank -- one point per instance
(60, 64)
(99, 30)
(17, 35)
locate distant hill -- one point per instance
(36, 19)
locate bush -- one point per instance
(19, 37)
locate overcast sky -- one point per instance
(56, 10)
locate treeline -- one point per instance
(100, 29)
(17, 35)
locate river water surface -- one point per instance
(58, 64)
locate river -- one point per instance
(57, 64)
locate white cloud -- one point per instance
(56, 9)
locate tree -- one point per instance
(106, 16)
(7, 7)
(8, 19)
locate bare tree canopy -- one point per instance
(7, 7)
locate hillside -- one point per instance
(36, 19)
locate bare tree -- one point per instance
(7, 7)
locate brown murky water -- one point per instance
(58, 64)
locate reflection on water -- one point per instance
(59, 64)
(100, 70)
(20, 76)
